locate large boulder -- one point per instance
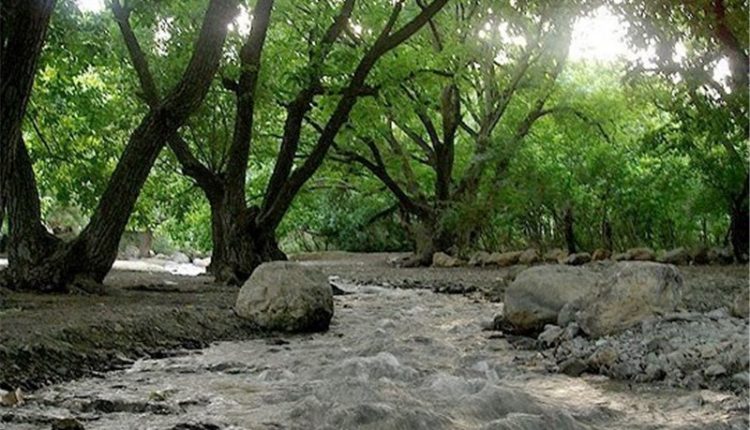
(286, 296)
(536, 296)
(629, 293)
(441, 259)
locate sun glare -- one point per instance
(243, 22)
(93, 6)
(601, 36)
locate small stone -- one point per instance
(578, 259)
(718, 314)
(741, 377)
(655, 373)
(441, 259)
(741, 303)
(715, 370)
(11, 398)
(572, 367)
(641, 254)
(707, 351)
(67, 424)
(551, 335)
(530, 256)
(571, 331)
(601, 254)
(603, 358)
(621, 256)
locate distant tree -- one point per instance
(483, 84)
(712, 114)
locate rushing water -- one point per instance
(393, 359)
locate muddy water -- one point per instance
(393, 359)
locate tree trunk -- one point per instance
(568, 224)
(240, 245)
(428, 239)
(740, 218)
(38, 260)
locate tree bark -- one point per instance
(740, 220)
(43, 263)
(240, 245)
(568, 228)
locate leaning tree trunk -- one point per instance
(41, 263)
(738, 230)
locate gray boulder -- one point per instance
(286, 296)
(536, 296)
(630, 293)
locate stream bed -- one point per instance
(392, 359)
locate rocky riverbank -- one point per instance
(397, 355)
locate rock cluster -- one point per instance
(694, 350)
(677, 256)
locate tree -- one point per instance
(244, 235)
(497, 65)
(710, 31)
(39, 261)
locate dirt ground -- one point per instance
(46, 339)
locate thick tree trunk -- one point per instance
(40, 262)
(240, 245)
(569, 231)
(738, 230)
(428, 239)
(24, 28)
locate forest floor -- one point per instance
(160, 316)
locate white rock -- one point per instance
(630, 293)
(286, 296)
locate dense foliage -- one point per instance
(624, 151)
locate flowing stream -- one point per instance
(393, 359)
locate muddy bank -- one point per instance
(52, 338)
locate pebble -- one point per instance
(715, 370)
(573, 367)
